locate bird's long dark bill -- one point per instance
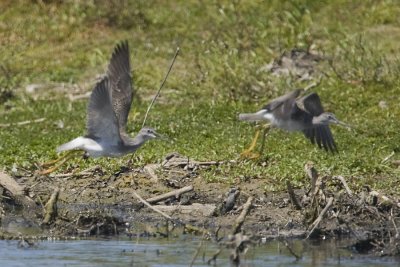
(258, 116)
(162, 137)
(344, 124)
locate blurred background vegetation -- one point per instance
(52, 49)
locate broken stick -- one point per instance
(51, 207)
(320, 216)
(344, 183)
(240, 220)
(292, 195)
(151, 207)
(175, 193)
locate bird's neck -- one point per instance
(134, 144)
(318, 120)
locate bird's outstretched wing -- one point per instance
(101, 120)
(119, 75)
(279, 101)
(322, 136)
(311, 103)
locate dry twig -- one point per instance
(240, 220)
(22, 122)
(151, 207)
(343, 181)
(161, 86)
(321, 215)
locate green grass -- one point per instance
(223, 45)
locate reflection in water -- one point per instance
(176, 252)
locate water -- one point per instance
(176, 252)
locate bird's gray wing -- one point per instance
(322, 136)
(119, 74)
(101, 120)
(279, 101)
(311, 103)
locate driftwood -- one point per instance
(321, 215)
(17, 191)
(175, 193)
(240, 220)
(51, 207)
(198, 209)
(21, 123)
(188, 227)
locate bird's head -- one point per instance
(149, 133)
(327, 118)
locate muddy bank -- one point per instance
(172, 198)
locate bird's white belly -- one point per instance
(105, 151)
(289, 126)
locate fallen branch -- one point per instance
(21, 123)
(240, 220)
(292, 195)
(321, 215)
(174, 193)
(51, 207)
(343, 181)
(17, 191)
(188, 227)
(151, 207)
(384, 199)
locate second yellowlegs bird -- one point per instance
(291, 113)
(107, 114)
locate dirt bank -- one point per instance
(94, 203)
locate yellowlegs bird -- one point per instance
(107, 114)
(291, 113)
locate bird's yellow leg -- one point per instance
(248, 153)
(58, 162)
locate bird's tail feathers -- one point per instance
(253, 116)
(77, 143)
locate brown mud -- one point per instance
(95, 203)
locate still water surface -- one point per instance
(176, 252)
